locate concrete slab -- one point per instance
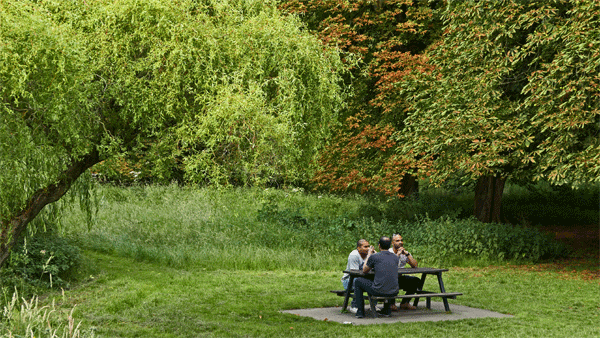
(421, 314)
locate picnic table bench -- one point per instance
(402, 271)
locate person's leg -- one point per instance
(410, 284)
(387, 307)
(360, 286)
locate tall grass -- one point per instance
(267, 229)
(204, 228)
(23, 318)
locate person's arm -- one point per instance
(411, 260)
(366, 268)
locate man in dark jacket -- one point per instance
(385, 283)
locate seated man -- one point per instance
(356, 260)
(410, 284)
(385, 283)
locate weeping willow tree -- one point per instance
(228, 87)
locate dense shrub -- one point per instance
(44, 260)
(444, 240)
(449, 240)
(543, 204)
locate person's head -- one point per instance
(397, 241)
(385, 243)
(362, 246)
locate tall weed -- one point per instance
(28, 319)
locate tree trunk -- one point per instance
(13, 227)
(488, 198)
(408, 186)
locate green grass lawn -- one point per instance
(126, 298)
(170, 262)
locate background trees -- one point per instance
(389, 38)
(229, 87)
(479, 92)
(513, 95)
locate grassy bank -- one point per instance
(278, 229)
(180, 262)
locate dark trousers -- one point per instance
(361, 285)
(410, 284)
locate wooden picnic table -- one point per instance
(420, 292)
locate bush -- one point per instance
(546, 205)
(44, 260)
(448, 240)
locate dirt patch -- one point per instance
(584, 262)
(583, 240)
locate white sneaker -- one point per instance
(353, 310)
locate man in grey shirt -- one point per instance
(410, 284)
(385, 283)
(355, 262)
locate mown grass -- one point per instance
(132, 299)
(181, 262)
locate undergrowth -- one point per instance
(284, 229)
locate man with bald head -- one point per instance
(410, 284)
(356, 260)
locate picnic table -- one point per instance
(404, 271)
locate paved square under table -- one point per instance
(422, 314)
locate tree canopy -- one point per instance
(480, 91)
(228, 87)
(513, 93)
(389, 38)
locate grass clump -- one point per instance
(22, 318)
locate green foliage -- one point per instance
(513, 93)
(44, 260)
(40, 69)
(229, 91)
(389, 38)
(447, 241)
(246, 96)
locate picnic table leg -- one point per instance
(443, 290)
(348, 291)
(416, 302)
(372, 305)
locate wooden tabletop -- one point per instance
(401, 271)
